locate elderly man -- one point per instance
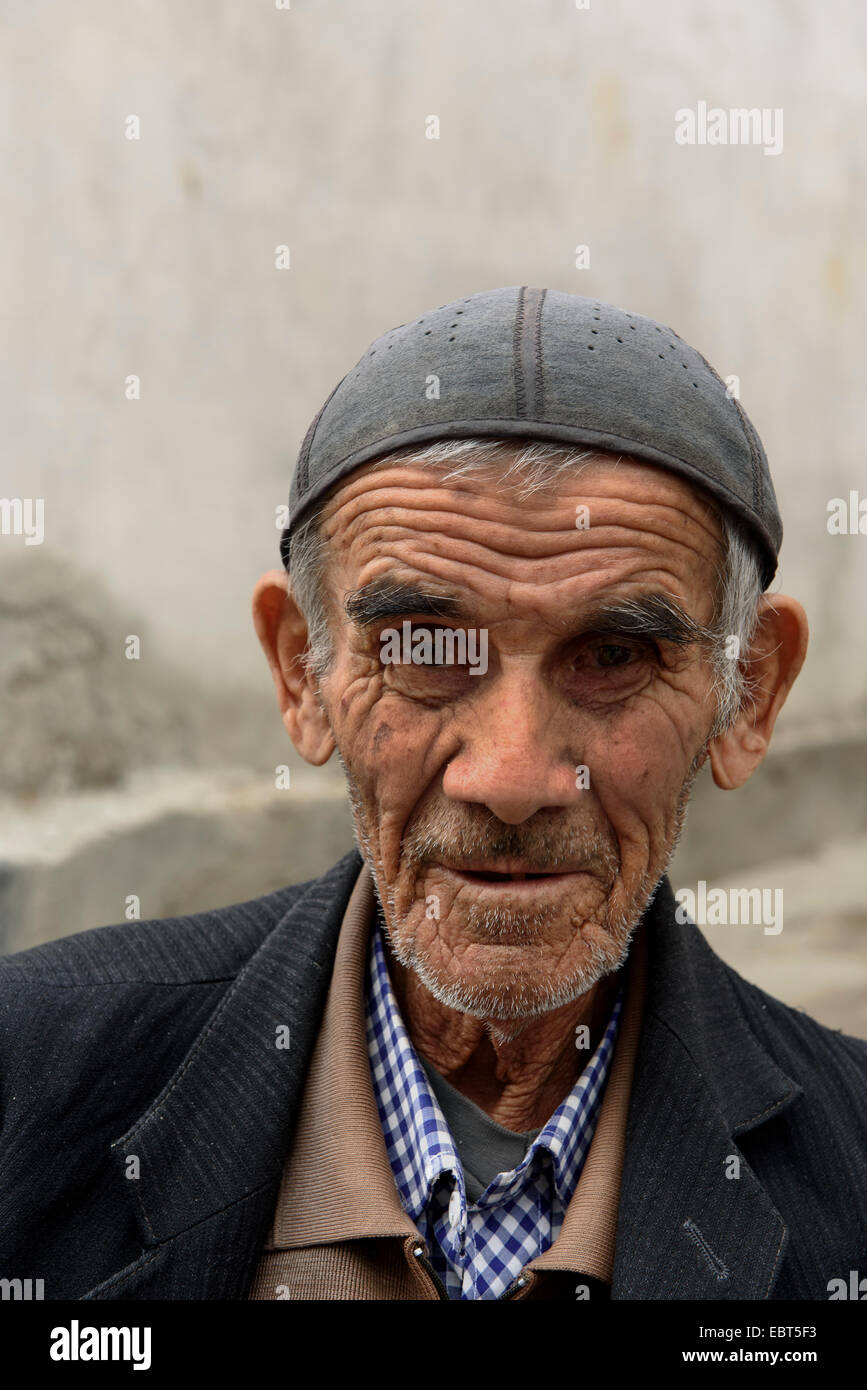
(529, 542)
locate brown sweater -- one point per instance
(339, 1231)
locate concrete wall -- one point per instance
(306, 126)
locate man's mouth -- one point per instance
(484, 875)
(492, 876)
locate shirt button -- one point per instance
(455, 1209)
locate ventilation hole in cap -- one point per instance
(695, 384)
(459, 311)
(427, 333)
(594, 330)
(452, 338)
(452, 325)
(661, 355)
(590, 347)
(632, 326)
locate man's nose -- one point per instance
(517, 756)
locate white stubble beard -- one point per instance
(501, 1000)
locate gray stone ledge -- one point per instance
(182, 841)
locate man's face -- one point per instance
(511, 880)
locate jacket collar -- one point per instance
(694, 1220)
(217, 1134)
(685, 1230)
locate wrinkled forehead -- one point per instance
(544, 492)
(552, 534)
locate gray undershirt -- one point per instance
(484, 1147)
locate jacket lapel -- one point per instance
(212, 1145)
(694, 1221)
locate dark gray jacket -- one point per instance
(156, 1042)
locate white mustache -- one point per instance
(536, 847)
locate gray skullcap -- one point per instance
(544, 365)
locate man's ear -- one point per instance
(770, 666)
(282, 631)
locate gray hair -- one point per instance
(738, 579)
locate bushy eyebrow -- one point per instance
(651, 617)
(383, 599)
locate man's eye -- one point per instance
(613, 654)
(606, 656)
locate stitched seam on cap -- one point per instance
(758, 482)
(540, 393)
(304, 452)
(307, 442)
(520, 396)
(754, 460)
(529, 352)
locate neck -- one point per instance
(517, 1070)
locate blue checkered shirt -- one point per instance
(477, 1250)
